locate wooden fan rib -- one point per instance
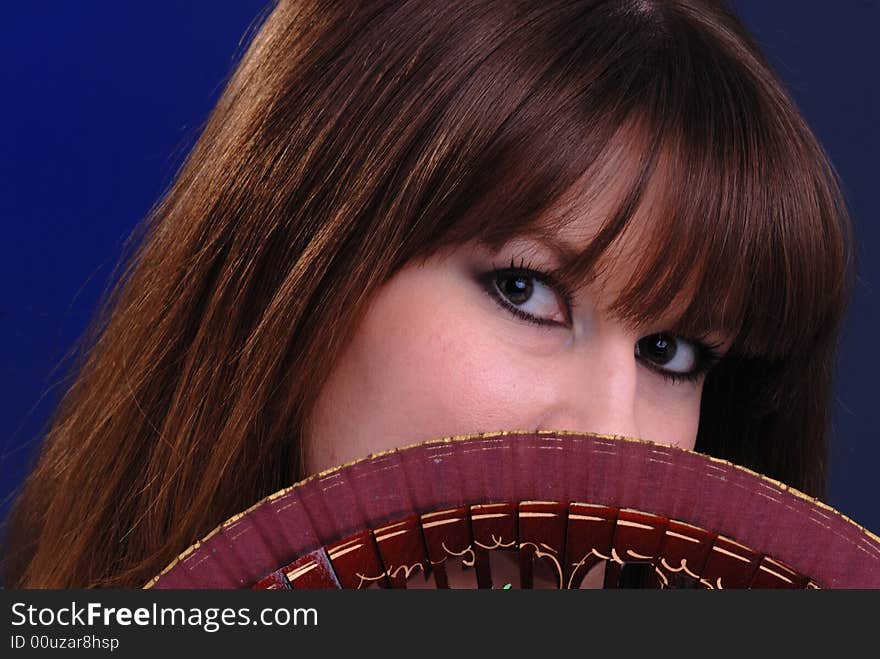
(637, 539)
(447, 536)
(542, 529)
(402, 550)
(684, 552)
(589, 539)
(627, 536)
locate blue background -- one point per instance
(102, 100)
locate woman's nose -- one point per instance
(595, 390)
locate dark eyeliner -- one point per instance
(490, 279)
(707, 357)
(707, 353)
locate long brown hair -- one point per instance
(355, 137)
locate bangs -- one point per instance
(702, 169)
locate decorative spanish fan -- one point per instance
(533, 509)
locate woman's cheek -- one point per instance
(473, 381)
(437, 348)
(671, 413)
(433, 357)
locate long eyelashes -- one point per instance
(707, 357)
(707, 354)
(489, 282)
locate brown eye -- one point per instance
(675, 358)
(659, 348)
(529, 295)
(516, 289)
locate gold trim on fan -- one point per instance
(501, 433)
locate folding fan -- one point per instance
(552, 505)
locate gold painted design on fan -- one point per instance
(385, 536)
(364, 578)
(437, 513)
(440, 522)
(536, 514)
(681, 536)
(721, 550)
(636, 525)
(468, 562)
(337, 553)
(775, 574)
(682, 567)
(345, 548)
(498, 543)
(630, 552)
(662, 576)
(716, 586)
(577, 566)
(546, 554)
(407, 570)
(301, 570)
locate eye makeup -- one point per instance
(706, 354)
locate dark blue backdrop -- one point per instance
(103, 100)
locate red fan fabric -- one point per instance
(707, 511)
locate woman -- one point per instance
(408, 220)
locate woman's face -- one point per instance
(464, 344)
